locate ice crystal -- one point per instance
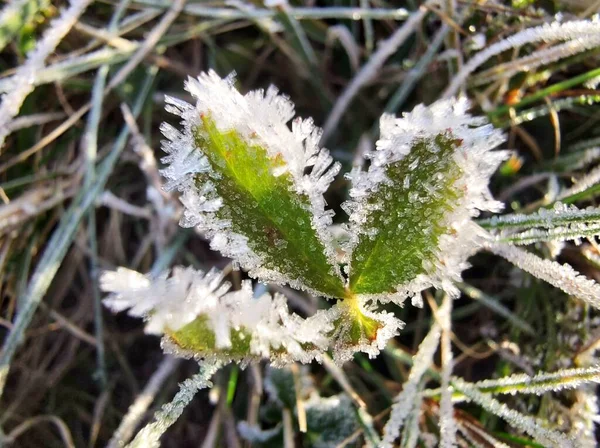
(21, 83)
(149, 436)
(562, 276)
(530, 425)
(201, 317)
(404, 402)
(555, 32)
(254, 185)
(167, 302)
(560, 223)
(542, 382)
(411, 212)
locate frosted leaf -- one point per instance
(408, 236)
(201, 317)
(244, 328)
(166, 303)
(532, 426)
(403, 403)
(330, 420)
(253, 185)
(358, 327)
(561, 276)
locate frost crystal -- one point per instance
(254, 185)
(562, 276)
(21, 83)
(411, 213)
(167, 303)
(562, 222)
(582, 30)
(447, 422)
(358, 328)
(530, 425)
(404, 402)
(201, 317)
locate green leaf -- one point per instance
(198, 337)
(265, 209)
(330, 420)
(407, 214)
(281, 388)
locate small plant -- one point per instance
(255, 188)
(411, 345)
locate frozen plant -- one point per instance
(254, 187)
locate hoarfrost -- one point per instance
(561, 276)
(22, 82)
(149, 436)
(529, 425)
(259, 116)
(569, 31)
(403, 403)
(475, 158)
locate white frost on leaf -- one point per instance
(166, 302)
(258, 116)
(345, 314)
(559, 275)
(169, 302)
(477, 162)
